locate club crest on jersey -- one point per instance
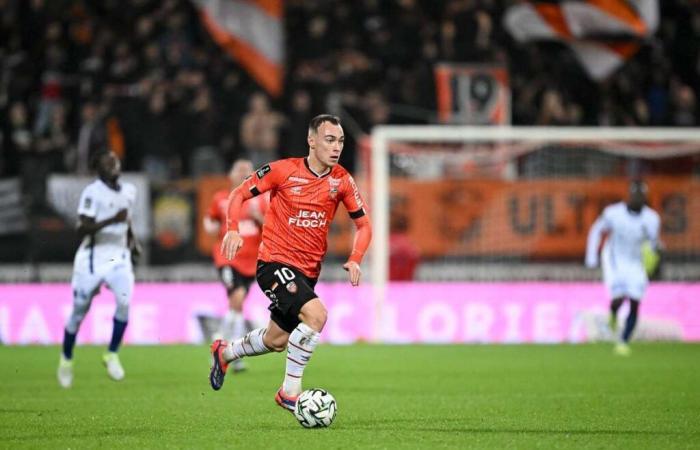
(292, 287)
(334, 184)
(261, 172)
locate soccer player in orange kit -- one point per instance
(304, 196)
(237, 274)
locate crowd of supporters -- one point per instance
(143, 78)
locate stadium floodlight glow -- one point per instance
(684, 141)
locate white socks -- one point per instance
(237, 326)
(302, 343)
(249, 345)
(232, 325)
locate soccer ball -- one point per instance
(315, 408)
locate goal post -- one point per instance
(494, 151)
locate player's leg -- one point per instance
(614, 281)
(121, 282)
(84, 286)
(302, 343)
(226, 275)
(257, 342)
(615, 305)
(631, 321)
(236, 321)
(635, 285)
(300, 347)
(233, 325)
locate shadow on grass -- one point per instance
(459, 426)
(96, 434)
(26, 411)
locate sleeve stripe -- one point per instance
(254, 190)
(357, 214)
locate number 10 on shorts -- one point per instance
(284, 274)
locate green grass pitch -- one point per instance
(423, 397)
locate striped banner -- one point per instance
(252, 32)
(602, 33)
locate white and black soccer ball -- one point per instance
(315, 408)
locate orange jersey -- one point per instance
(249, 229)
(302, 206)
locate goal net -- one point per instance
(498, 202)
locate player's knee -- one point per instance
(277, 344)
(80, 309)
(235, 299)
(74, 321)
(316, 319)
(122, 311)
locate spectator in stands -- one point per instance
(19, 137)
(203, 125)
(92, 137)
(159, 161)
(52, 144)
(75, 50)
(684, 113)
(300, 115)
(553, 111)
(260, 130)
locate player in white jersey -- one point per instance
(104, 257)
(628, 226)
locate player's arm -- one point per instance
(265, 178)
(654, 230)
(87, 211)
(257, 210)
(210, 225)
(133, 243)
(653, 257)
(595, 235)
(363, 234)
(87, 225)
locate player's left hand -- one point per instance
(231, 243)
(136, 251)
(354, 271)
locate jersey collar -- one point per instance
(117, 188)
(325, 174)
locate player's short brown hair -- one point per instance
(318, 120)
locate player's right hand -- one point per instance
(231, 244)
(120, 216)
(354, 271)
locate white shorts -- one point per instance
(118, 277)
(624, 278)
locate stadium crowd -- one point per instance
(143, 78)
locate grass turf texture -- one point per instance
(548, 397)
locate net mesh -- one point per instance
(533, 201)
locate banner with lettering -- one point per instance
(413, 312)
(539, 218)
